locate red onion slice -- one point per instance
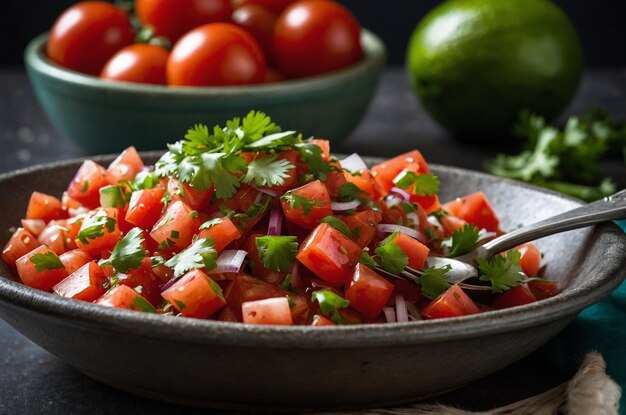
(353, 163)
(230, 260)
(341, 206)
(401, 313)
(392, 200)
(402, 193)
(275, 225)
(386, 228)
(390, 314)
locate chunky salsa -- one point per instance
(253, 224)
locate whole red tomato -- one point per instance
(216, 54)
(259, 22)
(315, 36)
(141, 62)
(275, 6)
(87, 34)
(174, 18)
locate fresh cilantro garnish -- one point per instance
(420, 184)
(45, 262)
(157, 261)
(277, 252)
(464, 240)
(392, 258)
(350, 191)
(367, 259)
(434, 281)
(286, 284)
(216, 289)
(114, 196)
(93, 226)
(504, 272)
(267, 171)
(337, 224)
(85, 187)
(296, 201)
(330, 303)
(211, 223)
(144, 180)
(564, 160)
(180, 305)
(140, 303)
(311, 155)
(438, 214)
(432, 235)
(128, 253)
(200, 254)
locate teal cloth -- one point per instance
(601, 327)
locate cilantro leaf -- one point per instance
(434, 281)
(93, 226)
(349, 192)
(113, 196)
(464, 240)
(422, 184)
(141, 304)
(337, 224)
(330, 303)
(504, 272)
(311, 155)
(211, 223)
(367, 259)
(128, 253)
(277, 252)
(273, 141)
(200, 254)
(267, 171)
(392, 258)
(255, 125)
(296, 201)
(45, 262)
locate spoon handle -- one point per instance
(607, 209)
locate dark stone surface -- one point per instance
(33, 381)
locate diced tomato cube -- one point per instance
(195, 295)
(85, 187)
(274, 311)
(143, 280)
(314, 207)
(476, 209)
(68, 203)
(542, 290)
(530, 260)
(367, 291)
(365, 181)
(363, 226)
(176, 228)
(45, 278)
(385, 172)
(44, 207)
(451, 223)
(86, 284)
(415, 250)
(34, 226)
(319, 320)
(74, 259)
(107, 235)
(515, 296)
(222, 232)
(56, 237)
(329, 254)
(324, 145)
(192, 197)
(125, 297)
(126, 165)
(145, 207)
(429, 203)
(452, 303)
(258, 268)
(21, 243)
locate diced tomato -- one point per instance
(515, 296)
(324, 145)
(125, 297)
(86, 284)
(367, 291)
(56, 237)
(73, 226)
(126, 165)
(476, 209)
(429, 203)
(21, 243)
(74, 259)
(34, 226)
(274, 311)
(106, 237)
(222, 233)
(452, 303)
(451, 223)
(258, 269)
(44, 207)
(363, 226)
(227, 315)
(85, 187)
(530, 260)
(334, 181)
(143, 280)
(319, 206)
(195, 295)
(68, 203)
(329, 254)
(252, 203)
(45, 278)
(542, 290)
(365, 181)
(395, 215)
(385, 172)
(319, 320)
(145, 207)
(176, 228)
(415, 250)
(192, 197)
(241, 201)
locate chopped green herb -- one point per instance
(287, 283)
(349, 192)
(128, 253)
(211, 223)
(392, 258)
(290, 301)
(85, 187)
(200, 254)
(311, 155)
(114, 196)
(330, 303)
(180, 305)
(296, 201)
(267, 171)
(422, 184)
(277, 252)
(337, 224)
(46, 262)
(141, 304)
(367, 259)
(216, 289)
(434, 281)
(504, 272)
(93, 226)
(174, 234)
(464, 240)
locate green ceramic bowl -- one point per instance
(106, 117)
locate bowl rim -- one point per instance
(374, 57)
(188, 330)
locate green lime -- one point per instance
(475, 64)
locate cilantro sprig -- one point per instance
(434, 281)
(46, 262)
(420, 184)
(392, 258)
(200, 254)
(330, 304)
(128, 253)
(296, 202)
(463, 240)
(338, 224)
(267, 171)
(277, 252)
(503, 272)
(93, 226)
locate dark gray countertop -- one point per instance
(33, 381)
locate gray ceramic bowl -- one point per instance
(229, 365)
(105, 117)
